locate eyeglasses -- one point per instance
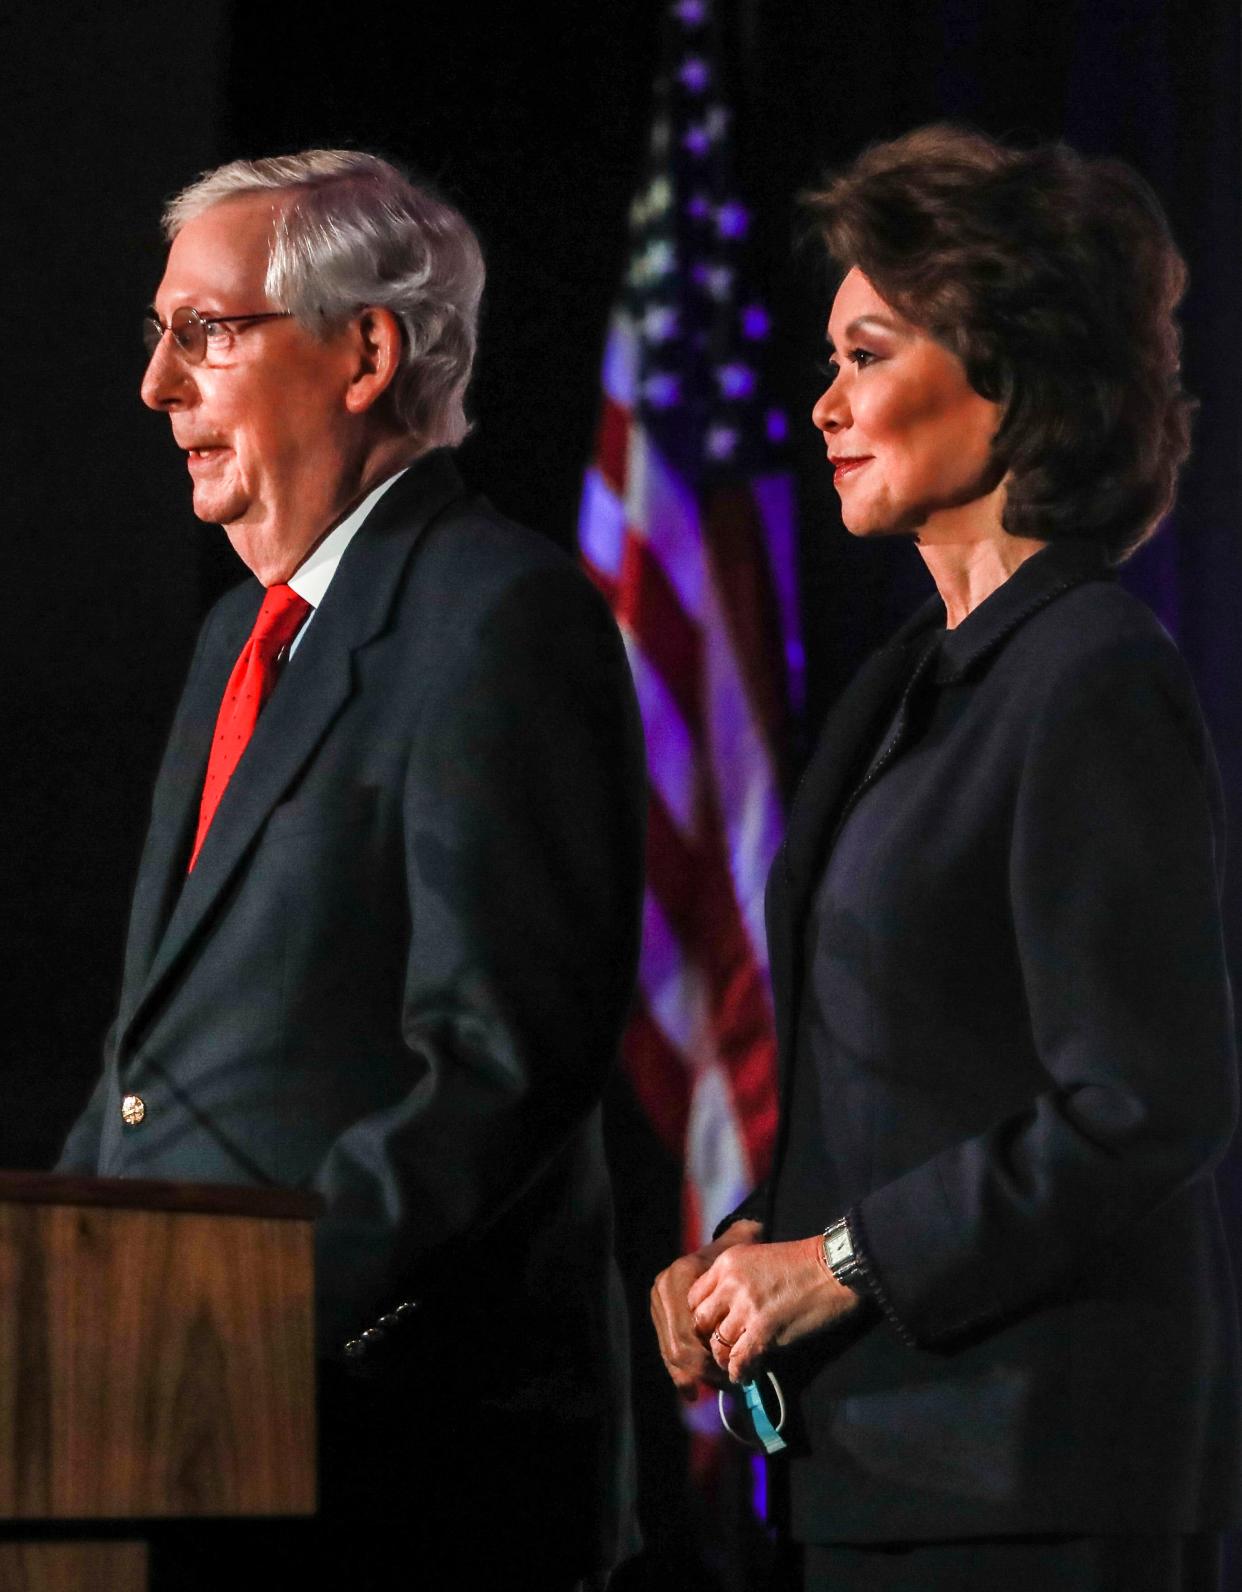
(763, 1432)
(194, 334)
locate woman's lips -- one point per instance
(846, 466)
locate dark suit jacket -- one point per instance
(1025, 1071)
(398, 975)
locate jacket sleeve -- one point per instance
(750, 1210)
(81, 1152)
(523, 823)
(1115, 871)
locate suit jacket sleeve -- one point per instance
(1115, 867)
(523, 809)
(81, 1152)
(750, 1210)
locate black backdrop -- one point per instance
(533, 120)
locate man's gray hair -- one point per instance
(359, 233)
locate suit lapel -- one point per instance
(179, 785)
(315, 686)
(833, 777)
(849, 736)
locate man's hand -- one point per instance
(760, 1297)
(686, 1356)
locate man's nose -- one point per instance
(166, 384)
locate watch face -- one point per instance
(838, 1248)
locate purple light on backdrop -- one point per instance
(699, 207)
(695, 75)
(697, 141)
(691, 12)
(776, 423)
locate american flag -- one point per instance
(687, 526)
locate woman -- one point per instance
(988, 1265)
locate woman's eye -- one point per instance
(862, 357)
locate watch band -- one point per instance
(842, 1259)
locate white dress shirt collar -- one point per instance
(315, 572)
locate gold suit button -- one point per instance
(133, 1109)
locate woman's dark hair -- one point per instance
(1054, 280)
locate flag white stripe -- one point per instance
(673, 989)
(601, 525)
(672, 761)
(662, 511)
(716, 1159)
(743, 778)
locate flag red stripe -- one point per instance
(672, 872)
(669, 640)
(694, 888)
(742, 1013)
(612, 442)
(660, 1077)
(736, 546)
(605, 583)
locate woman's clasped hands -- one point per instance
(720, 1311)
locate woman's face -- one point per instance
(908, 437)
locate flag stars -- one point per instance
(700, 136)
(660, 323)
(715, 280)
(662, 390)
(695, 74)
(735, 380)
(756, 323)
(657, 260)
(732, 220)
(720, 442)
(651, 204)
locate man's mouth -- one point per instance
(204, 455)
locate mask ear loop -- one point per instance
(769, 1436)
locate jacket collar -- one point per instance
(1045, 575)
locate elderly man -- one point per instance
(386, 921)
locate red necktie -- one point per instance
(250, 685)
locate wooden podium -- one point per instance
(156, 1361)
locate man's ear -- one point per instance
(376, 344)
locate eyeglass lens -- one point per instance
(187, 328)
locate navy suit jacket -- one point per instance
(1025, 1071)
(399, 973)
